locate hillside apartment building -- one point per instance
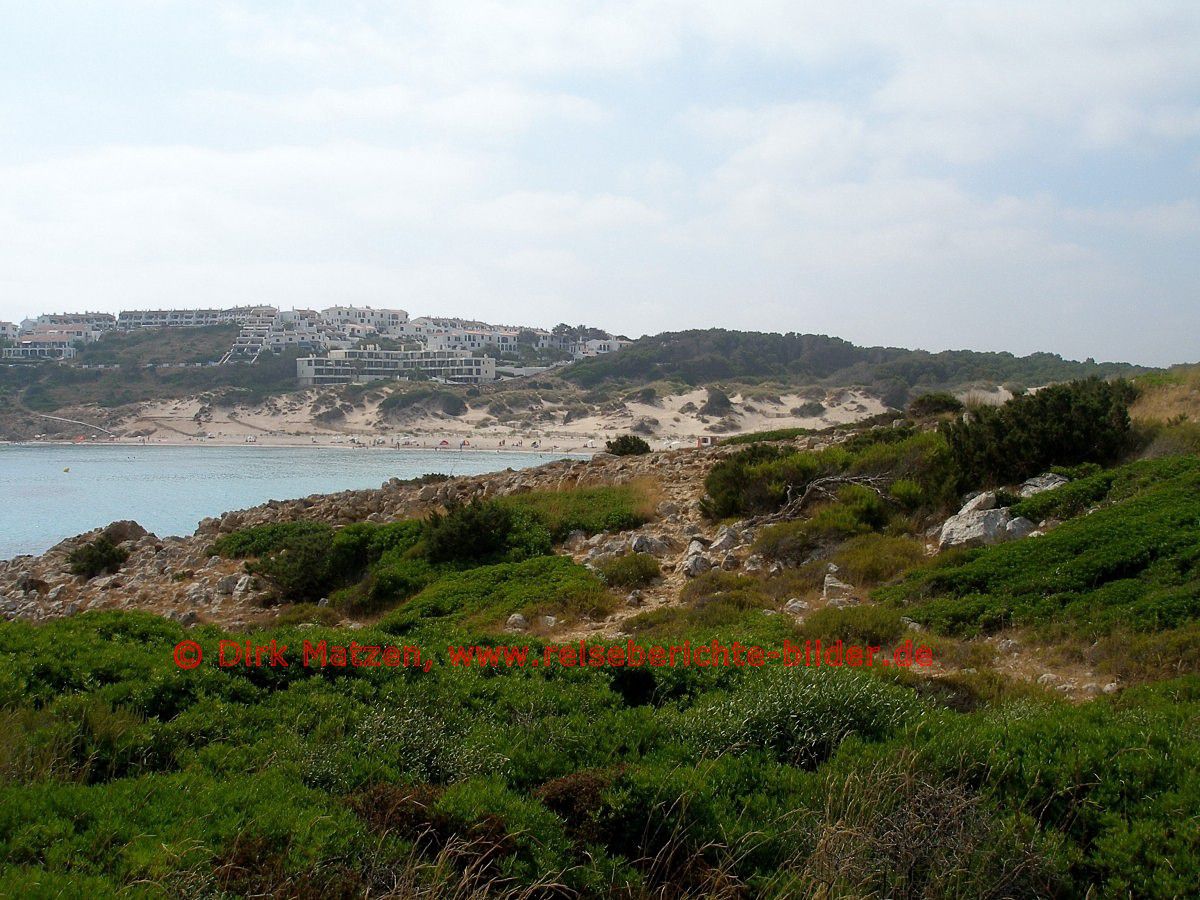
(349, 366)
(446, 341)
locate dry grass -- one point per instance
(1169, 395)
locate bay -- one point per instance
(51, 492)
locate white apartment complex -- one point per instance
(278, 330)
(446, 340)
(188, 318)
(346, 366)
(41, 346)
(365, 320)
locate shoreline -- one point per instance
(576, 451)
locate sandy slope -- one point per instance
(670, 421)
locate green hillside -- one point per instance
(697, 357)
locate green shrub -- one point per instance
(1135, 563)
(871, 559)
(934, 404)
(760, 478)
(588, 509)
(630, 570)
(760, 713)
(487, 595)
(308, 613)
(775, 434)
(97, 557)
(627, 445)
(261, 540)
(1065, 424)
(717, 403)
(299, 566)
(483, 531)
(858, 510)
(872, 625)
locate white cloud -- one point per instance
(938, 174)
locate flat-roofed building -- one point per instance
(349, 366)
(188, 318)
(97, 320)
(83, 334)
(365, 320)
(41, 346)
(9, 331)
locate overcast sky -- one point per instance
(989, 175)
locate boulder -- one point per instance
(228, 584)
(727, 538)
(1039, 483)
(979, 502)
(795, 606)
(649, 543)
(125, 530)
(836, 592)
(1019, 527)
(516, 622)
(978, 528)
(696, 565)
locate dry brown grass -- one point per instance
(1168, 396)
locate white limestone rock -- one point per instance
(976, 528)
(1039, 483)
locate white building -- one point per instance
(8, 331)
(347, 366)
(597, 346)
(363, 320)
(278, 330)
(83, 334)
(188, 318)
(96, 320)
(41, 346)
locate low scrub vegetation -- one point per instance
(775, 434)
(627, 445)
(366, 568)
(97, 557)
(1133, 562)
(630, 570)
(118, 773)
(761, 478)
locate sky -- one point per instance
(1019, 176)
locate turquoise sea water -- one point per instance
(170, 489)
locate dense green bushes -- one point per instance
(757, 480)
(121, 773)
(588, 509)
(484, 531)
(858, 510)
(366, 567)
(1064, 424)
(97, 557)
(775, 434)
(630, 570)
(627, 445)
(934, 404)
